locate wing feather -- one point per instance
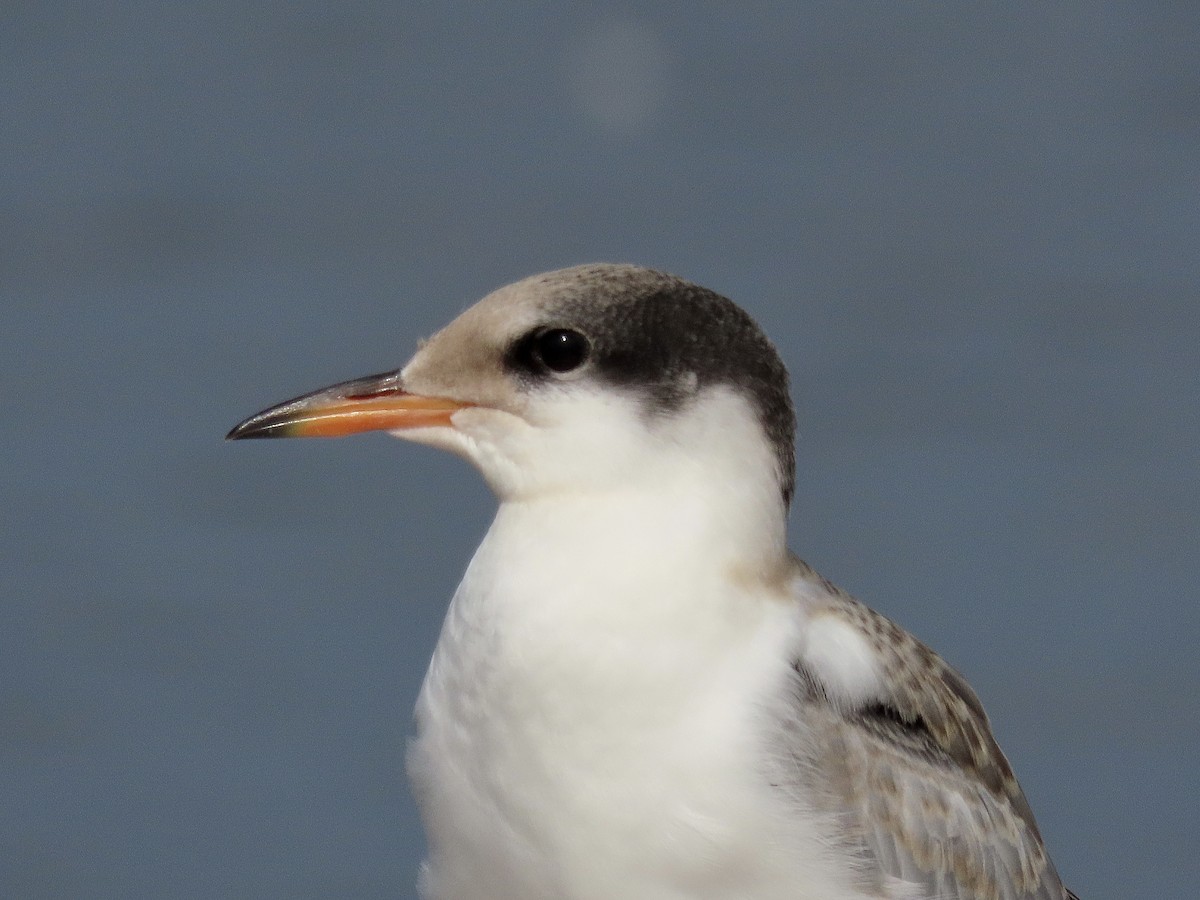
(915, 772)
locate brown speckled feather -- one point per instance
(927, 798)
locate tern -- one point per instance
(639, 693)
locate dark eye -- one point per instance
(560, 349)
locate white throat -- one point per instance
(595, 694)
(635, 587)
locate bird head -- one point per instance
(592, 378)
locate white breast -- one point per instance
(584, 733)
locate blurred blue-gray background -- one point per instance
(971, 229)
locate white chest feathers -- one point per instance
(585, 733)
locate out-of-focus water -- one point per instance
(972, 233)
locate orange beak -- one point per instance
(374, 403)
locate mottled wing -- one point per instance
(928, 822)
(914, 772)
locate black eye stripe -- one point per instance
(551, 350)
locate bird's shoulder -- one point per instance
(915, 767)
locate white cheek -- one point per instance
(438, 436)
(470, 435)
(566, 440)
(502, 446)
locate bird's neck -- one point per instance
(606, 655)
(573, 604)
(716, 522)
(645, 562)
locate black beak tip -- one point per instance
(255, 427)
(238, 432)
